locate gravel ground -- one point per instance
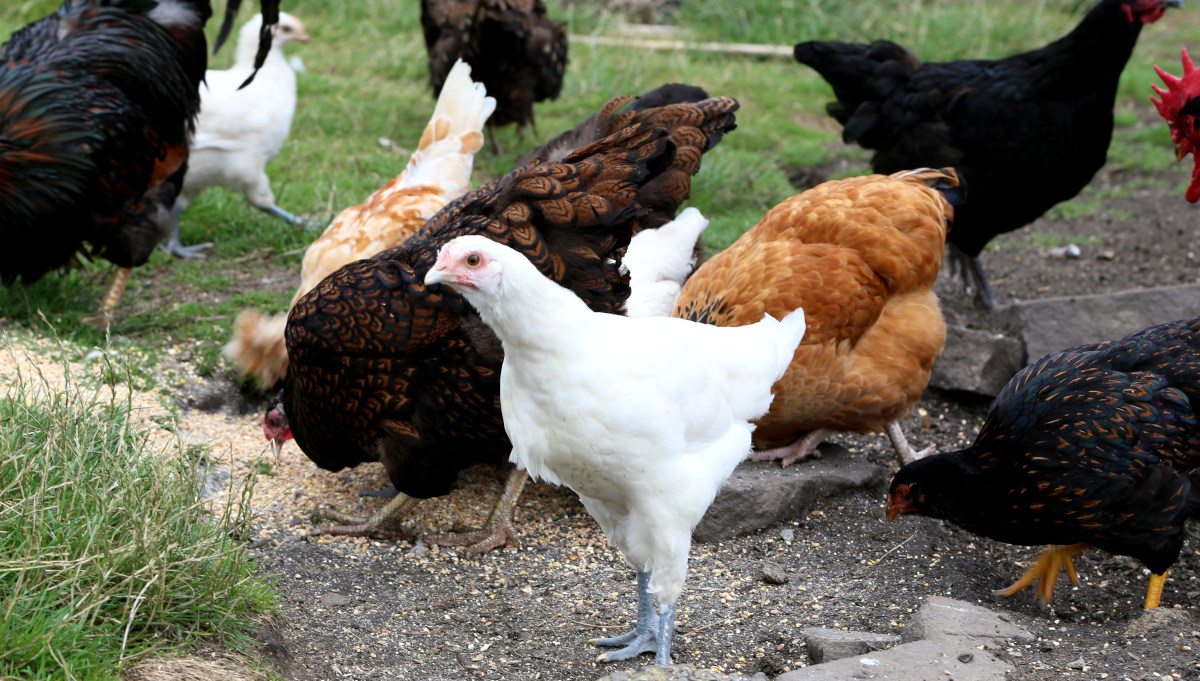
(366, 609)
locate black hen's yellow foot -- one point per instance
(1154, 589)
(1052, 560)
(499, 529)
(384, 523)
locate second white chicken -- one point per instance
(238, 132)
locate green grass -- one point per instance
(107, 552)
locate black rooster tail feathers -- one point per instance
(270, 17)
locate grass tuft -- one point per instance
(107, 551)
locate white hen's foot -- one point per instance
(804, 448)
(643, 638)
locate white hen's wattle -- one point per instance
(643, 418)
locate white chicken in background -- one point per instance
(659, 261)
(438, 172)
(644, 418)
(238, 132)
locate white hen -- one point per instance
(659, 261)
(239, 131)
(644, 418)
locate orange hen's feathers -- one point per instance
(860, 256)
(438, 172)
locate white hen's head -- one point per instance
(288, 30)
(472, 265)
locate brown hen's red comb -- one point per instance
(1179, 91)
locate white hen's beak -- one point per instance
(440, 275)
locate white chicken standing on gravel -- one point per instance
(644, 418)
(238, 132)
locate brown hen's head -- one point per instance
(1147, 11)
(275, 425)
(1180, 106)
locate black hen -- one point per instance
(513, 48)
(1094, 446)
(381, 368)
(992, 120)
(96, 104)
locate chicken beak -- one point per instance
(301, 38)
(276, 447)
(440, 275)
(894, 510)
(1181, 150)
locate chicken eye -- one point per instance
(473, 260)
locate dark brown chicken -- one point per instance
(382, 368)
(518, 53)
(96, 104)
(1093, 446)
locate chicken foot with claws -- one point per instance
(383, 523)
(1044, 571)
(498, 530)
(652, 634)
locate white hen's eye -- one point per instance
(473, 260)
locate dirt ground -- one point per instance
(369, 609)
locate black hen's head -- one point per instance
(1147, 11)
(934, 486)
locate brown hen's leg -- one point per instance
(797, 451)
(1045, 571)
(1154, 590)
(383, 523)
(116, 289)
(903, 449)
(499, 530)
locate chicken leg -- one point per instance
(112, 296)
(797, 451)
(498, 530)
(644, 637)
(1045, 571)
(383, 523)
(900, 443)
(1154, 589)
(174, 246)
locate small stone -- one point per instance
(419, 549)
(787, 534)
(1075, 664)
(773, 573)
(333, 599)
(966, 658)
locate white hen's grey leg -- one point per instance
(177, 249)
(664, 633)
(642, 638)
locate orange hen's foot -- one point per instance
(498, 530)
(903, 449)
(799, 450)
(1045, 571)
(384, 523)
(1154, 589)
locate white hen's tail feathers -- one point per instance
(659, 261)
(444, 158)
(757, 367)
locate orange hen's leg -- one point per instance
(499, 530)
(797, 451)
(383, 523)
(903, 449)
(1045, 571)
(112, 296)
(1154, 590)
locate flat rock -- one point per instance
(826, 645)
(941, 617)
(982, 362)
(1052, 324)
(978, 362)
(951, 658)
(760, 494)
(678, 672)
